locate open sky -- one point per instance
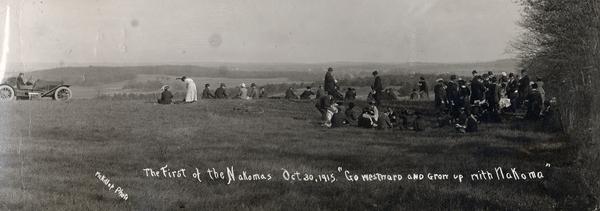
(182, 31)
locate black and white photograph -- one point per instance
(299, 105)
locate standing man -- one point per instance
(524, 87)
(534, 103)
(192, 93)
(477, 88)
(331, 84)
(440, 93)
(423, 88)
(377, 88)
(493, 98)
(452, 94)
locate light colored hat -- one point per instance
(504, 74)
(164, 87)
(243, 85)
(439, 79)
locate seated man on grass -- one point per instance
(166, 96)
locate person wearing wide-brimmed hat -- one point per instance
(166, 96)
(243, 93)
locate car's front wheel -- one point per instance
(62, 94)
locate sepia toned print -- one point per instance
(299, 105)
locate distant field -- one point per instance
(88, 92)
(51, 151)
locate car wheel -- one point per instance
(7, 93)
(62, 94)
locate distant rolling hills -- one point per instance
(99, 75)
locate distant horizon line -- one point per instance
(133, 64)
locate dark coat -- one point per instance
(166, 97)
(439, 92)
(452, 91)
(534, 105)
(206, 94)
(377, 84)
(477, 90)
(352, 116)
(338, 119)
(350, 95)
(524, 87)
(220, 93)
(306, 94)
(324, 102)
(493, 93)
(329, 83)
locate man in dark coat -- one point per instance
(330, 83)
(440, 93)
(221, 93)
(338, 119)
(452, 93)
(378, 88)
(534, 103)
(493, 99)
(307, 93)
(477, 89)
(524, 87)
(512, 85)
(206, 93)
(463, 94)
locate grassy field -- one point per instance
(50, 152)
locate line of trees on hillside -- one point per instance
(561, 45)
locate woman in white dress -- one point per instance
(192, 93)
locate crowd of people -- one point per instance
(485, 97)
(459, 103)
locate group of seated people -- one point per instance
(243, 92)
(339, 114)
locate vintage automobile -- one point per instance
(57, 90)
